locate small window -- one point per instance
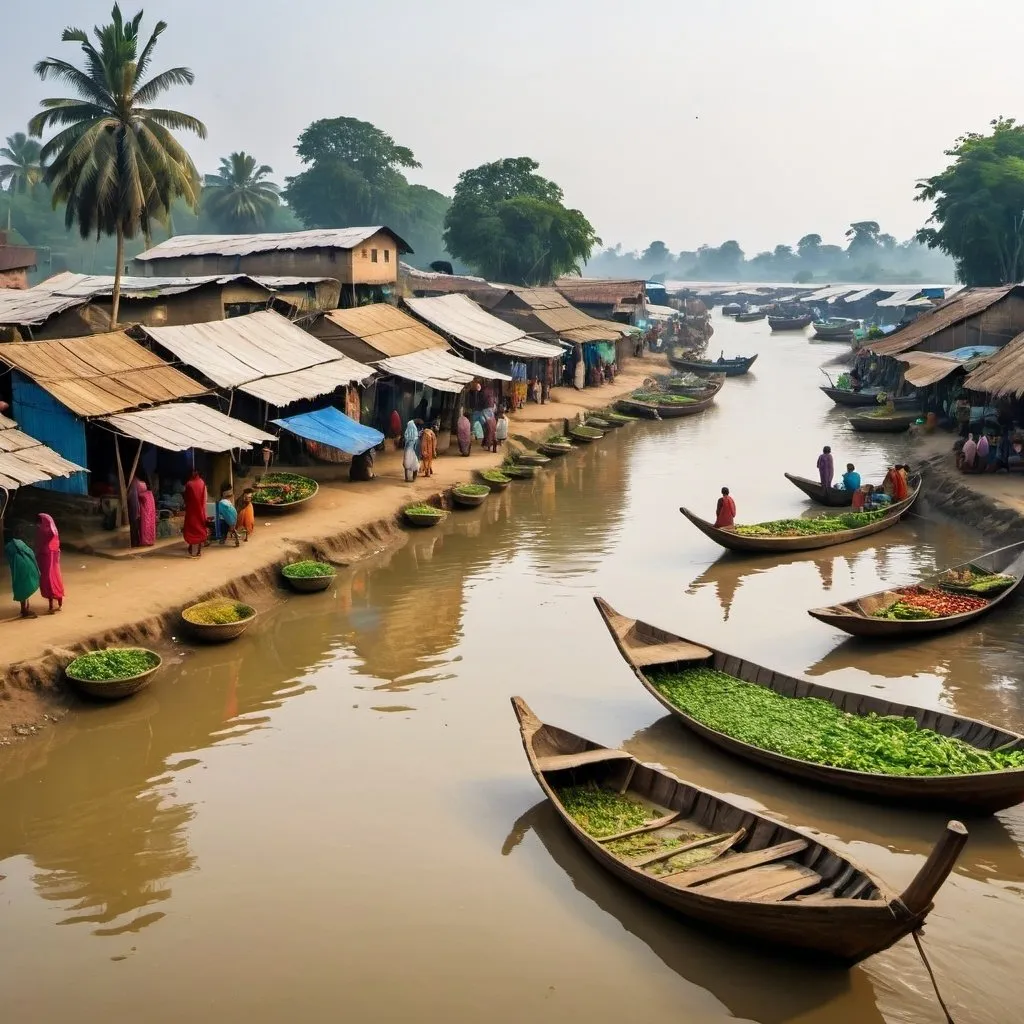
(364, 254)
(387, 255)
(373, 255)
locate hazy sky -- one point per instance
(690, 122)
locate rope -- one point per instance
(931, 976)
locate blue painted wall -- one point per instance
(41, 416)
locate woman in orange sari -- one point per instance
(428, 450)
(895, 485)
(246, 513)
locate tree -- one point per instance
(808, 246)
(115, 164)
(22, 171)
(657, 255)
(510, 224)
(863, 235)
(238, 198)
(979, 205)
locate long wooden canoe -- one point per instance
(867, 397)
(856, 617)
(868, 423)
(764, 880)
(644, 647)
(790, 323)
(751, 315)
(665, 411)
(834, 497)
(735, 367)
(729, 538)
(713, 384)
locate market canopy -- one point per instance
(924, 368)
(183, 425)
(1001, 374)
(461, 318)
(441, 371)
(99, 374)
(386, 329)
(332, 427)
(24, 460)
(263, 354)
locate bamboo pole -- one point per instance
(122, 512)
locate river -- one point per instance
(333, 817)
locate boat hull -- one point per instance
(789, 323)
(749, 318)
(983, 792)
(897, 424)
(833, 497)
(731, 367)
(865, 399)
(733, 541)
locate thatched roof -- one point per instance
(1002, 374)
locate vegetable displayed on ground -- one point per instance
(471, 490)
(811, 527)
(922, 603)
(661, 398)
(618, 417)
(600, 812)
(283, 489)
(423, 509)
(218, 612)
(816, 730)
(107, 666)
(974, 581)
(308, 570)
(584, 431)
(494, 476)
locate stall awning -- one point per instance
(439, 370)
(24, 460)
(924, 368)
(183, 425)
(310, 383)
(332, 427)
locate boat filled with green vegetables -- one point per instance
(810, 527)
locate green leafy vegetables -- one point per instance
(661, 398)
(116, 663)
(308, 570)
(494, 476)
(811, 527)
(423, 509)
(815, 730)
(283, 489)
(472, 490)
(601, 812)
(217, 612)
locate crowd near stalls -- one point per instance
(238, 354)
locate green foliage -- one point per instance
(979, 205)
(354, 176)
(22, 170)
(238, 198)
(509, 224)
(111, 664)
(600, 812)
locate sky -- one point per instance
(691, 123)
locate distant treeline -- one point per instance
(869, 255)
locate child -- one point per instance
(246, 513)
(228, 516)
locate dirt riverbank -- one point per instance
(137, 600)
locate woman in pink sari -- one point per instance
(147, 516)
(51, 583)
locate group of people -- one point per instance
(231, 517)
(895, 487)
(489, 428)
(983, 455)
(38, 568)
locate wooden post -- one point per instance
(917, 897)
(122, 512)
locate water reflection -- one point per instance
(737, 975)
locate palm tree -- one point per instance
(23, 170)
(237, 197)
(115, 164)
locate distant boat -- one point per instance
(735, 367)
(867, 397)
(790, 323)
(750, 315)
(837, 328)
(731, 309)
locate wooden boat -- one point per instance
(790, 323)
(732, 309)
(761, 879)
(519, 472)
(735, 367)
(835, 328)
(894, 424)
(729, 538)
(667, 411)
(644, 647)
(855, 617)
(714, 384)
(867, 397)
(834, 497)
(750, 316)
(553, 451)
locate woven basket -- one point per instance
(115, 689)
(217, 632)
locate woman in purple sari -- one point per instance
(464, 433)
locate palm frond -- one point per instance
(84, 84)
(147, 51)
(173, 119)
(161, 83)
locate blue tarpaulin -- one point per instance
(332, 427)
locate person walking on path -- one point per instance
(428, 451)
(24, 574)
(194, 531)
(51, 583)
(464, 433)
(147, 517)
(410, 461)
(826, 467)
(725, 511)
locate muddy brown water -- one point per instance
(333, 817)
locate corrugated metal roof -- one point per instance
(542, 298)
(531, 348)
(247, 245)
(461, 318)
(184, 425)
(1001, 374)
(901, 297)
(29, 307)
(99, 374)
(570, 319)
(95, 285)
(386, 328)
(926, 368)
(245, 350)
(437, 369)
(24, 460)
(967, 303)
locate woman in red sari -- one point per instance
(725, 510)
(194, 530)
(51, 583)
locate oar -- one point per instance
(827, 377)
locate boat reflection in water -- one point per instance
(753, 983)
